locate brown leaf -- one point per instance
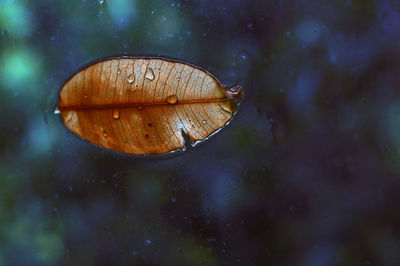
(143, 105)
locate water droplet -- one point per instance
(116, 113)
(150, 74)
(118, 71)
(85, 96)
(131, 78)
(57, 111)
(172, 99)
(105, 134)
(68, 117)
(139, 107)
(204, 122)
(101, 2)
(225, 108)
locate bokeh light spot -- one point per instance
(16, 19)
(302, 93)
(308, 32)
(18, 68)
(49, 246)
(121, 11)
(41, 138)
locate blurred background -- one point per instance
(307, 173)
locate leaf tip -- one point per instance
(234, 93)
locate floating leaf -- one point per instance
(146, 105)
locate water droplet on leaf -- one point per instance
(116, 113)
(225, 108)
(57, 111)
(131, 78)
(150, 74)
(204, 122)
(68, 117)
(172, 99)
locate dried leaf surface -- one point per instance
(142, 105)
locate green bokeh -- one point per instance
(19, 70)
(15, 18)
(121, 11)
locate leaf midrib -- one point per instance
(130, 105)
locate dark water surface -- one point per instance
(307, 173)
